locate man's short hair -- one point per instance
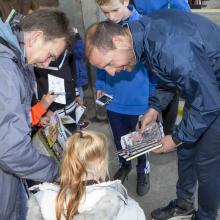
(53, 23)
(99, 35)
(104, 2)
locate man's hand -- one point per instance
(149, 117)
(168, 145)
(99, 93)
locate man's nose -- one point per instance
(110, 71)
(46, 62)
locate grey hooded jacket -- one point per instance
(104, 201)
(18, 159)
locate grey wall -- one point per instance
(82, 13)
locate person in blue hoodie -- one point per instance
(129, 99)
(81, 73)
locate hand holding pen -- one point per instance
(48, 99)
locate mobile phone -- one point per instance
(104, 99)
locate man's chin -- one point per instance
(38, 65)
(129, 68)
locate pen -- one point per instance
(61, 93)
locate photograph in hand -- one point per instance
(135, 143)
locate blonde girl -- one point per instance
(83, 192)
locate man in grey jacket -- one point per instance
(41, 37)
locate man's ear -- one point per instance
(121, 42)
(126, 3)
(33, 36)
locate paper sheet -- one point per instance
(56, 84)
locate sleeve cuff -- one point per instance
(37, 111)
(176, 141)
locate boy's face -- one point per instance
(116, 10)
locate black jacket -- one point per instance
(67, 72)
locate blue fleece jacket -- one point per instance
(146, 6)
(78, 51)
(130, 90)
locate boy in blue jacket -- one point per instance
(129, 99)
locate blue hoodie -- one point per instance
(79, 53)
(6, 33)
(129, 97)
(146, 6)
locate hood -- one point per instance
(7, 34)
(98, 195)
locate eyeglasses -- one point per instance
(54, 64)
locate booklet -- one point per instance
(14, 17)
(135, 144)
(51, 140)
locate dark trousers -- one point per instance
(169, 115)
(201, 162)
(122, 124)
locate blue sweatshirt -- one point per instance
(146, 6)
(130, 90)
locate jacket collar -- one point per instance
(134, 14)
(139, 31)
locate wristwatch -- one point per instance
(176, 141)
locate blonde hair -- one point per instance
(83, 152)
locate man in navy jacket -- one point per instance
(183, 51)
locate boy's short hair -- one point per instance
(53, 23)
(104, 2)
